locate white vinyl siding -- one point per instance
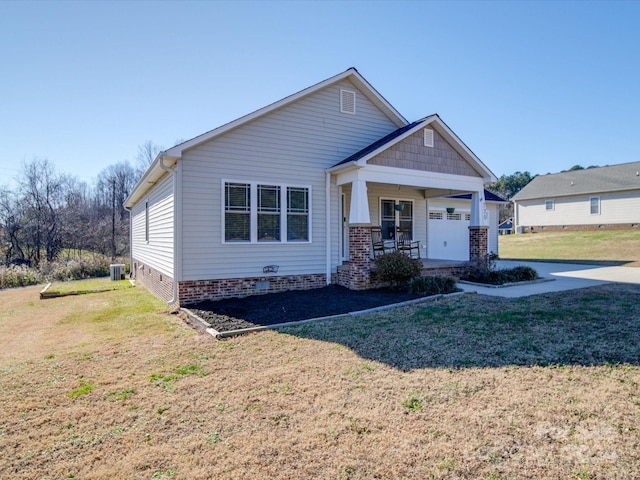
(616, 207)
(290, 146)
(152, 233)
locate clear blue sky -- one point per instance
(528, 86)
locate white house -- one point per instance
(284, 198)
(589, 199)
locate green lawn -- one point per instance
(606, 245)
(80, 287)
(110, 385)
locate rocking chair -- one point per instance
(406, 245)
(380, 246)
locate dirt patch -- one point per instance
(292, 306)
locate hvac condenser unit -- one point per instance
(117, 271)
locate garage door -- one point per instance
(448, 235)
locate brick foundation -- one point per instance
(581, 228)
(157, 283)
(478, 243)
(200, 290)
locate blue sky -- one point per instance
(528, 86)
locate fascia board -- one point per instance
(149, 178)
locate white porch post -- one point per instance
(478, 229)
(478, 210)
(359, 207)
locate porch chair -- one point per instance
(380, 246)
(406, 245)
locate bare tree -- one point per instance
(147, 153)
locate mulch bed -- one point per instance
(291, 306)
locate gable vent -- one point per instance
(348, 101)
(428, 137)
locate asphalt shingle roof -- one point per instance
(614, 178)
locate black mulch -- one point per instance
(269, 309)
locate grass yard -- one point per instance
(612, 245)
(82, 287)
(110, 385)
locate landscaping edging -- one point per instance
(506, 285)
(201, 325)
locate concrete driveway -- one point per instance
(559, 276)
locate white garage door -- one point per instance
(448, 235)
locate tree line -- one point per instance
(49, 214)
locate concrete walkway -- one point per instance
(564, 276)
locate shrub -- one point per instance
(19, 276)
(432, 285)
(397, 268)
(486, 272)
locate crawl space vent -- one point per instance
(348, 101)
(428, 137)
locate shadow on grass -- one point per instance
(591, 326)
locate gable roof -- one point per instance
(351, 74)
(170, 156)
(614, 178)
(360, 158)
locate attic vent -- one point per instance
(348, 101)
(428, 137)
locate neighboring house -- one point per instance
(284, 197)
(590, 199)
(506, 227)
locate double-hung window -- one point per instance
(257, 212)
(237, 212)
(594, 203)
(268, 213)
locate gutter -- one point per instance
(174, 173)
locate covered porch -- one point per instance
(389, 185)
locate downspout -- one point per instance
(174, 173)
(327, 196)
(130, 241)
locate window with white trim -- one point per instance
(549, 205)
(594, 205)
(255, 212)
(395, 214)
(297, 214)
(268, 213)
(237, 212)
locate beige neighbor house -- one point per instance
(285, 197)
(590, 199)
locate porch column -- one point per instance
(359, 207)
(359, 237)
(478, 229)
